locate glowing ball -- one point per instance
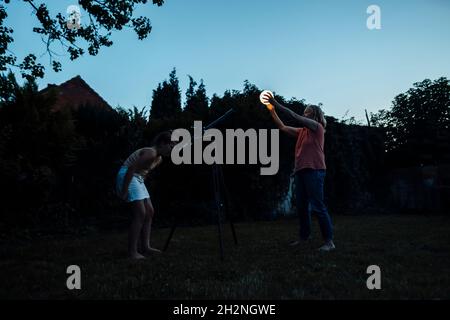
(264, 100)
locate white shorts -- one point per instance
(136, 190)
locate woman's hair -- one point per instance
(319, 116)
(162, 138)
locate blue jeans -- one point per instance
(309, 192)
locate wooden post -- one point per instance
(367, 118)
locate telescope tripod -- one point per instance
(221, 208)
(220, 196)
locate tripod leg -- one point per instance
(227, 209)
(172, 230)
(234, 232)
(219, 226)
(219, 208)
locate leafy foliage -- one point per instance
(105, 16)
(418, 125)
(166, 102)
(65, 161)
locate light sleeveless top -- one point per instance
(131, 160)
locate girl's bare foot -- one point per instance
(294, 243)
(136, 256)
(150, 250)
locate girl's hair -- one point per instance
(319, 116)
(162, 138)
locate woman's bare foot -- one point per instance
(150, 250)
(136, 256)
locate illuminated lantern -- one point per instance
(264, 100)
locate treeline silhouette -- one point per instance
(58, 167)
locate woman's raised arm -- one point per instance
(289, 130)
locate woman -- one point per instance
(309, 168)
(131, 188)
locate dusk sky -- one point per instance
(320, 51)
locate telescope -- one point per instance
(220, 193)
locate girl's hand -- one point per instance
(157, 162)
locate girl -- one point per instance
(131, 188)
(309, 168)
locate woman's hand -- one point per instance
(272, 111)
(270, 99)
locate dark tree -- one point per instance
(166, 102)
(36, 146)
(103, 17)
(418, 125)
(196, 100)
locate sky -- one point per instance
(317, 50)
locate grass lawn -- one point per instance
(413, 253)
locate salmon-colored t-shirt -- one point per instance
(309, 149)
